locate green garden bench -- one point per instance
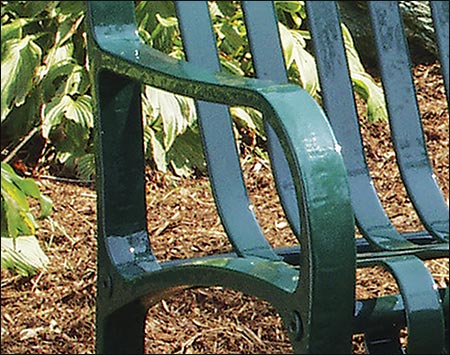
(319, 168)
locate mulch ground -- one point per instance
(54, 311)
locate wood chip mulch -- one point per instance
(54, 311)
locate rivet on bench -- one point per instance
(296, 326)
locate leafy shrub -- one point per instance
(45, 79)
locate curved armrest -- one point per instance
(312, 152)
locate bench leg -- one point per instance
(123, 331)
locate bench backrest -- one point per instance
(339, 103)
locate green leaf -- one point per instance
(54, 75)
(11, 183)
(59, 54)
(14, 29)
(232, 38)
(23, 255)
(367, 89)
(67, 28)
(249, 117)
(294, 51)
(158, 151)
(19, 219)
(22, 58)
(232, 65)
(170, 109)
(15, 190)
(227, 8)
(86, 166)
(363, 83)
(71, 8)
(35, 8)
(187, 153)
(78, 110)
(167, 21)
(289, 6)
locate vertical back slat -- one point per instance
(218, 139)
(405, 121)
(440, 13)
(339, 103)
(268, 61)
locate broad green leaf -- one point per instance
(167, 106)
(289, 6)
(18, 67)
(167, 21)
(187, 107)
(293, 46)
(59, 54)
(363, 83)
(232, 38)
(187, 153)
(27, 186)
(19, 219)
(14, 29)
(67, 28)
(23, 255)
(46, 204)
(232, 65)
(10, 187)
(15, 189)
(86, 166)
(158, 151)
(35, 8)
(214, 8)
(226, 7)
(52, 114)
(249, 117)
(146, 13)
(78, 110)
(73, 141)
(372, 94)
(53, 74)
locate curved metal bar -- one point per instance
(404, 116)
(268, 62)
(315, 164)
(121, 322)
(339, 102)
(440, 13)
(423, 305)
(227, 182)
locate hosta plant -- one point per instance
(20, 250)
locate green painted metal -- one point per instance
(371, 218)
(405, 123)
(440, 13)
(226, 177)
(323, 183)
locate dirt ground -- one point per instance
(54, 311)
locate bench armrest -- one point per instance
(313, 155)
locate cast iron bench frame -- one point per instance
(320, 171)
